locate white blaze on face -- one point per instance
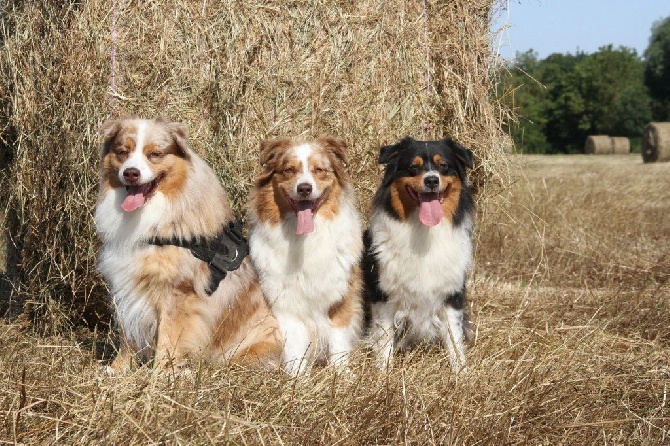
(302, 153)
(137, 192)
(137, 159)
(304, 206)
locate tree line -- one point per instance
(558, 101)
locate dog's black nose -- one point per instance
(304, 189)
(431, 182)
(131, 175)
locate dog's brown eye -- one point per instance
(289, 171)
(414, 169)
(443, 166)
(319, 170)
(121, 151)
(156, 155)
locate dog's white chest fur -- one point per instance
(121, 261)
(420, 266)
(304, 275)
(419, 269)
(117, 227)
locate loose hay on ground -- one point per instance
(571, 345)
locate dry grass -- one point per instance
(569, 299)
(586, 222)
(235, 73)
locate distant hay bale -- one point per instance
(656, 142)
(598, 145)
(620, 145)
(235, 73)
(607, 145)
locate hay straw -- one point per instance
(656, 142)
(235, 73)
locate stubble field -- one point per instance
(570, 297)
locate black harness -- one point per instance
(222, 254)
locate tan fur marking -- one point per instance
(173, 172)
(183, 328)
(451, 196)
(249, 329)
(337, 151)
(243, 309)
(342, 313)
(331, 205)
(401, 201)
(265, 205)
(110, 169)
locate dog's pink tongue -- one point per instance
(134, 200)
(305, 216)
(430, 212)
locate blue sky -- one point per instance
(568, 26)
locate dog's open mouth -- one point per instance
(304, 211)
(430, 206)
(138, 195)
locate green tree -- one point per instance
(562, 99)
(611, 84)
(566, 106)
(525, 96)
(657, 69)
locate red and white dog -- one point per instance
(306, 244)
(159, 203)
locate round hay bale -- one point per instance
(656, 142)
(620, 145)
(598, 145)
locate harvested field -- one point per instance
(570, 303)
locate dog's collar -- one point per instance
(222, 254)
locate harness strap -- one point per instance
(221, 254)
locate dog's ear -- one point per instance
(337, 147)
(179, 134)
(462, 153)
(388, 153)
(338, 150)
(268, 151)
(108, 131)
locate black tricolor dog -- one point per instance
(419, 249)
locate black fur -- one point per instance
(371, 291)
(456, 300)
